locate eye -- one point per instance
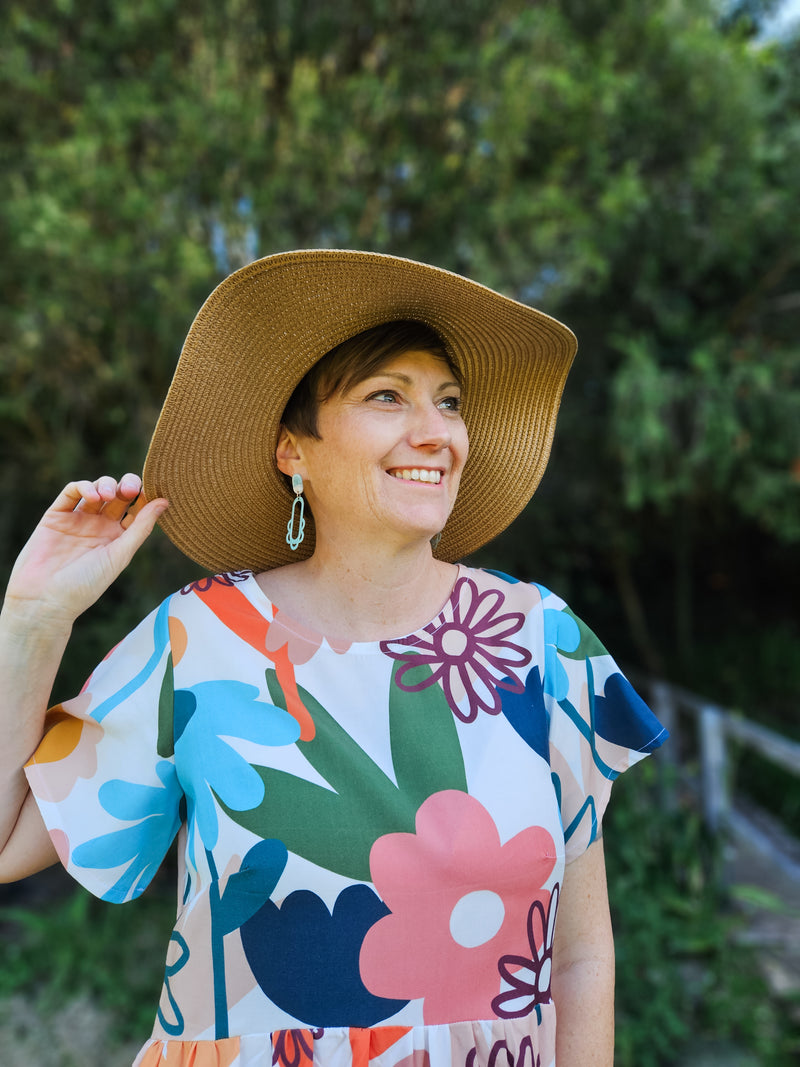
(385, 396)
(450, 403)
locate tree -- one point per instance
(630, 167)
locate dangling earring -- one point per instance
(295, 539)
(435, 540)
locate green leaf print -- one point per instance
(425, 750)
(332, 752)
(335, 832)
(337, 827)
(166, 730)
(589, 644)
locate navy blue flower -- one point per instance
(527, 713)
(622, 717)
(306, 959)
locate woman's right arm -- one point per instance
(83, 542)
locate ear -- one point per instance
(287, 453)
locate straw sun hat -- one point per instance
(213, 451)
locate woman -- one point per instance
(387, 771)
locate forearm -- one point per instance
(31, 650)
(584, 999)
(583, 965)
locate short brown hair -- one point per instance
(353, 361)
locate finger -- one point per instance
(95, 495)
(139, 529)
(107, 495)
(107, 487)
(126, 493)
(104, 487)
(73, 495)
(130, 485)
(138, 506)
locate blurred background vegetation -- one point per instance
(630, 167)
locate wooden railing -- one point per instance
(713, 729)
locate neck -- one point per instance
(366, 593)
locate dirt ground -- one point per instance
(77, 1035)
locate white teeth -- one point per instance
(415, 474)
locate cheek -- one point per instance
(463, 445)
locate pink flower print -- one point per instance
(419, 1058)
(468, 650)
(529, 977)
(459, 902)
(301, 642)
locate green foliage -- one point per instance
(80, 945)
(773, 788)
(761, 684)
(725, 426)
(682, 977)
(632, 167)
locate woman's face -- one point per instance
(390, 454)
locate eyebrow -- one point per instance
(404, 378)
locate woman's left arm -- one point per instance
(583, 965)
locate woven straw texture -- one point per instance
(213, 451)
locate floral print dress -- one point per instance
(372, 836)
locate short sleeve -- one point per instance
(103, 778)
(599, 725)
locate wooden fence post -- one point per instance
(716, 801)
(716, 731)
(664, 704)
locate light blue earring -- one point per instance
(295, 539)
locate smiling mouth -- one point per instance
(416, 474)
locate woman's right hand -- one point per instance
(84, 540)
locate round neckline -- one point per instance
(422, 633)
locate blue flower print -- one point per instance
(561, 634)
(252, 885)
(306, 959)
(160, 642)
(528, 715)
(154, 810)
(245, 892)
(622, 717)
(174, 1025)
(206, 714)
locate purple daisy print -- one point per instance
(467, 649)
(202, 585)
(528, 978)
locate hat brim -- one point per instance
(212, 454)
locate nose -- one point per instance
(430, 428)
